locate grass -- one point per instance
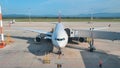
(63, 20)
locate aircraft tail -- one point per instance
(59, 18)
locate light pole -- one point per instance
(29, 15)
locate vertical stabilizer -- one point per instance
(59, 18)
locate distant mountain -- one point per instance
(26, 16)
(80, 15)
(101, 15)
(15, 15)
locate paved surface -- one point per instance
(25, 53)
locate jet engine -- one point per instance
(67, 31)
(84, 39)
(39, 37)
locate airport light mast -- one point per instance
(91, 17)
(29, 15)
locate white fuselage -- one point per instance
(59, 36)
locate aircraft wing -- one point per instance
(33, 30)
(108, 35)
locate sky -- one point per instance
(66, 7)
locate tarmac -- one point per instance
(26, 53)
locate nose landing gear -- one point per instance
(59, 51)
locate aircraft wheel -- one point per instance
(91, 49)
(59, 52)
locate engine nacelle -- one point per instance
(84, 39)
(67, 31)
(81, 39)
(38, 39)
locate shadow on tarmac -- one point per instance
(91, 60)
(39, 49)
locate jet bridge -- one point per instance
(84, 35)
(108, 35)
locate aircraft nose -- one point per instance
(61, 45)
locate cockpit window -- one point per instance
(60, 39)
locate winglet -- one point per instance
(59, 17)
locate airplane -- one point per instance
(60, 36)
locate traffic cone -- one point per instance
(100, 63)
